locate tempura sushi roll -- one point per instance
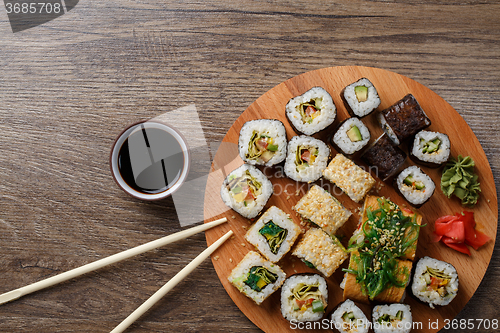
(361, 97)
(349, 318)
(246, 190)
(304, 297)
(385, 159)
(273, 234)
(321, 208)
(306, 159)
(311, 112)
(256, 277)
(262, 142)
(403, 120)
(320, 251)
(415, 186)
(435, 282)
(431, 149)
(393, 318)
(351, 136)
(350, 178)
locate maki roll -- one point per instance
(262, 142)
(386, 158)
(349, 318)
(435, 282)
(307, 158)
(415, 186)
(304, 297)
(361, 97)
(431, 149)
(311, 112)
(246, 190)
(256, 277)
(404, 119)
(393, 318)
(351, 136)
(273, 234)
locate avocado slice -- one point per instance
(361, 93)
(354, 134)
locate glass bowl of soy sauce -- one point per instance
(150, 160)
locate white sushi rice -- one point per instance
(394, 326)
(420, 284)
(287, 299)
(362, 109)
(412, 195)
(281, 219)
(342, 140)
(270, 127)
(314, 171)
(359, 324)
(325, 105)
(439, 156)
(253, 208)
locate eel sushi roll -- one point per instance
(351, 136)
(256, 277)
(384, 157)
(262, 142)
(393, 318)
(404, 119)
(361, 97)
(435, 282)
(307, 158)
(311, 112)
(415, 186)
(273, 234)
(349, 318)
(304, 297)
(246, 190)
(431, 149)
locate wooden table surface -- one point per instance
(71, 85)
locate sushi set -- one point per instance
(331, 182)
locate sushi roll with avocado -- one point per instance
(384, 158)
(246, 190)
(304, 297)
(349, 318)
(435, 282)
(307, 158)
(415, 186)
(431, 149)
(273, 234)
(256, 277)
(311, 112)
(262, 142)
(351, 136)
(393, 318)
(361, 97)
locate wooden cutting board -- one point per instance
(391, 88)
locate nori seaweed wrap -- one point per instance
(385, 157)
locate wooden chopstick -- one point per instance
(15, 294)
(170, 284)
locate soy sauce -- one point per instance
(150, 160)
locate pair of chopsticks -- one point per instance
(17, 293)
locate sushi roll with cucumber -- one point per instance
(246, 190)
(361, 97)
(307, 158)
(393, 318)
(431, 149)
(256, 277)
(349, 318)
(304, 297)
(262, 142)
(415, 186)
(311, 112)
(435, 282)
(351, 136)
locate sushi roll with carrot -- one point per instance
(307, 158)
(262, 142)
(415, 186)
(431, 149)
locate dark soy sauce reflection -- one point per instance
(150, 160)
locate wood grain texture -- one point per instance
(71, 85)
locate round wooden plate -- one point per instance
(391, 88)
